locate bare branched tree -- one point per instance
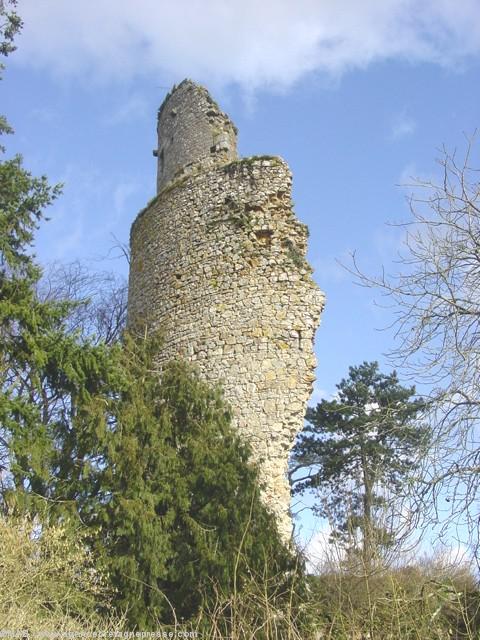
(435, 296)
(100, 299)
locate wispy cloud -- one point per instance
(403, 125)
(317, 547)
(317, 395)
(268, 44)
(133, 109)
(43, 115)
(121, 196)
(330, 269)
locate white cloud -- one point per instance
(317, 395)
(403, 125)
(270, 43)
(318, 549)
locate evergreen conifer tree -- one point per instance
(179, 513)
(45, 370)
(358, 450)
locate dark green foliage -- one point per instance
(179, 512)
(45, 370)
(357, 451)
(10, 25)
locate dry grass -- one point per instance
(424, 601)
(48, 581)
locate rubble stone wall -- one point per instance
(192, 132)
(218, 264)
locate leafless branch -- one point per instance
(435, 297)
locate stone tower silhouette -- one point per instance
(218, 264)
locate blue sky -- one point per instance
(357, 97)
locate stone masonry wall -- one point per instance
(192, 131)
(218, 263)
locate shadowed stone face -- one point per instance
(218, 264)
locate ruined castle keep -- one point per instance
(218, 264)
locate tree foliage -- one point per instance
(45, 369)
(357, 450)
(428, 599)
(178, 508)
(10, 25)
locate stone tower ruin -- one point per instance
(218, 264)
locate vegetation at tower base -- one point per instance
(49, 581)
(429, 599)
(178, 509)
(358, 451)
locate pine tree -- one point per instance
(10, 25)
(45, 370)
(357, 451)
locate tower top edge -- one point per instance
(190, 85)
